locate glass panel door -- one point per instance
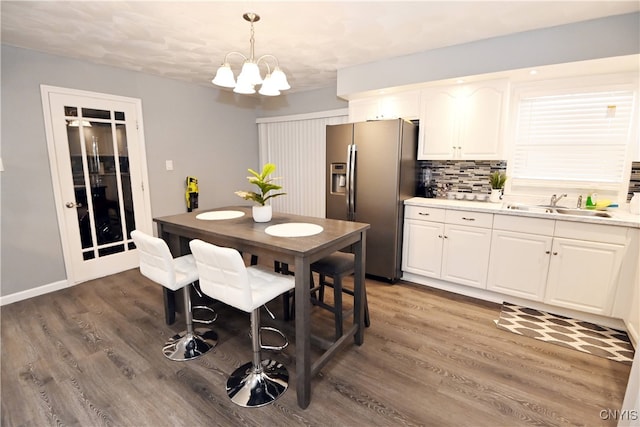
(99, 164)
(102, 185)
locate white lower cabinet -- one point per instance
(520, 252)
(422, 248)
(465, 257)
(561, 263)
(519, 264)
(583, 275)
(437, 244)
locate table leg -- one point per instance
(359, 250)
(303, 332)
(169, 306)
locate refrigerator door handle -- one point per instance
(347, 197)
(351, 188)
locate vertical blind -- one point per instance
(298, 149)
(579, 137)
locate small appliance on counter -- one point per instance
(426, 185)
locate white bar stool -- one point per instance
(224, 277)
(157, 264)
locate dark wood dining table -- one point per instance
(248, 236)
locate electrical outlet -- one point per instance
(169, 165)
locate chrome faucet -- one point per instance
(554, 199)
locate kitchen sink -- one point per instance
(531, 208)
(557, 209)
(582, 212)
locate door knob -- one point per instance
(73, 205)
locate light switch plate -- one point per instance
(169, 165)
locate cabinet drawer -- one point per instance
(591, 232)
(475, 219)
(520, 224)
(424, 213)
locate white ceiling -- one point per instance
(188, 40)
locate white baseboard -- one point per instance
(30, 293)
(633, 334)
(486, 295)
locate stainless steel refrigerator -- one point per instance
(371, 170)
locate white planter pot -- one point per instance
(495, 196)
(262, 213)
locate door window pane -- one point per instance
(96, 114)
(79, 185)
(125, 178)
(102, 184)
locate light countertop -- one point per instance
(619, 216)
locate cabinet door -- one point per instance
(519, 264)
(583, 275)
(405, 105)
(465, 258)
(463, 122)
(422, 247)
(438, 133)
(361, 110)
(481, 109)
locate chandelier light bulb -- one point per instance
(280, 79)
(244, 86)
(268, 87)
(224, 76)
(250, 76)
(251, 73)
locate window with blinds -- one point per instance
(581, 137)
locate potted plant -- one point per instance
(261, 211)
(497, 180)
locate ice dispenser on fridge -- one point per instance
(338, 178)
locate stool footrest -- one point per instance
(209, 309)
(273, 347)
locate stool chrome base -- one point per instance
(185, 346)
(252, 388)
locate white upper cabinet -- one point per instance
(465, 121)
(405, 105)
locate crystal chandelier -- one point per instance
(249, 77)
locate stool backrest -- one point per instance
(156, 261)
(223, 275)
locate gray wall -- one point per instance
(300, 103)
(599, 38)
(208, 133)
(204, 132)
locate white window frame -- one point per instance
(541, 190)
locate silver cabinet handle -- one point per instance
(468, 219)
(71, 205)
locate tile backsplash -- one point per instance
(465, 176)
(472, 176)
(634, 182)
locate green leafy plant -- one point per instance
(497, 180)
(264, 183)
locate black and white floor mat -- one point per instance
(576, 334)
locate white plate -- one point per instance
(217, 215)
(293, 229)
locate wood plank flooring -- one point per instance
(91, 355)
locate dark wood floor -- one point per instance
(91, 356)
